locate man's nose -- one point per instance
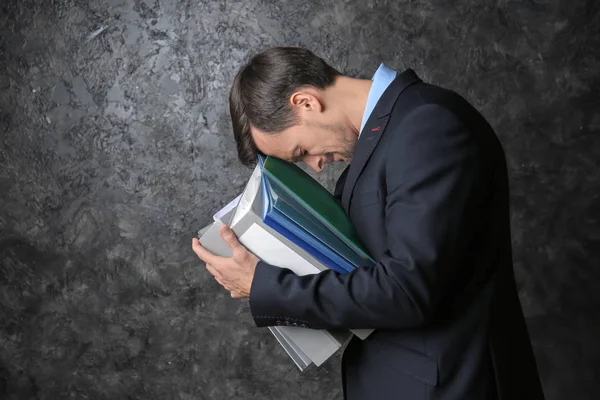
(315, 162)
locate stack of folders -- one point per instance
(287, 219)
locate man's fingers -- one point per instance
(212, 270)
(229, 237)
(215, 274)
(203, 254)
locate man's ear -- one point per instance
(306, 100)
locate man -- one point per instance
(427, 190)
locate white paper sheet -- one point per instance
(218, 217)
(272, 251)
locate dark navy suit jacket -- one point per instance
(428, 192)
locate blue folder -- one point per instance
(293, 233)
(286, 205)
(282, 213)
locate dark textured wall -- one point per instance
(115, 147)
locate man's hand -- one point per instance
(234, 273)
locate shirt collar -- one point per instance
(381, 80)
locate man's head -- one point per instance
(283, 103)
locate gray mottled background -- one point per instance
(115, 147)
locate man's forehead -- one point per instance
(271, 144)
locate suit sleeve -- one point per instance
(431, 171)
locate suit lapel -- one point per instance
(373, 131)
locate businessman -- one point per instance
(427, 190)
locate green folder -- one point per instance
(315, 199)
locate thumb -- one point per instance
(229, 237)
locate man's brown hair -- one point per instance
(261, 90)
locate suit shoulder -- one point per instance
(428, 96)
(431, 93)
